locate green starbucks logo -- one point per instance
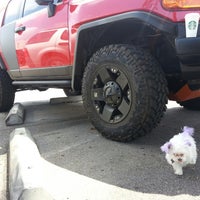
(192, 25)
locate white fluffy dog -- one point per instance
(181, 150)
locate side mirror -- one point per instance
(44, 2)
(51, 9)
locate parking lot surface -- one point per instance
(66, 138)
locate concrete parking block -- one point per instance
(16, 115)
(70, 99)
(25, 168)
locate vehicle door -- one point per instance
(41, 41)
(7, 36)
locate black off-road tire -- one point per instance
(124, 92)
(7, 92)
(193, 104)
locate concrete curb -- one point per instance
(3, 177)
(25, 168)
(35, 194)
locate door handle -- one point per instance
(20, 29)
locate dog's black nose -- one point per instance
(172, 161)
(180, 160)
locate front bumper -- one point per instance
(188, 52)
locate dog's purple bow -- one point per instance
(188, 130)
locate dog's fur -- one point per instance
(181, 150)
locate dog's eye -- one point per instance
(172, 161)
(178, 155)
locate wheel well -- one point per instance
(127, 31)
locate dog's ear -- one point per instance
(166, 147)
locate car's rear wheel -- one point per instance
(124, 92)
(7, 92)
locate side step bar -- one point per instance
(57, 83)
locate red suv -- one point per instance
(125, 57)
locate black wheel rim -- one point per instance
(111, 94)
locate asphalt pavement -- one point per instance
(87, 166)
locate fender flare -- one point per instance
(2, 64)
(147, 18)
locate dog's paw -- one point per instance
(178, 172)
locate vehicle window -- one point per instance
(12, 11)
(31, 6)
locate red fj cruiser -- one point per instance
(125, 57)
